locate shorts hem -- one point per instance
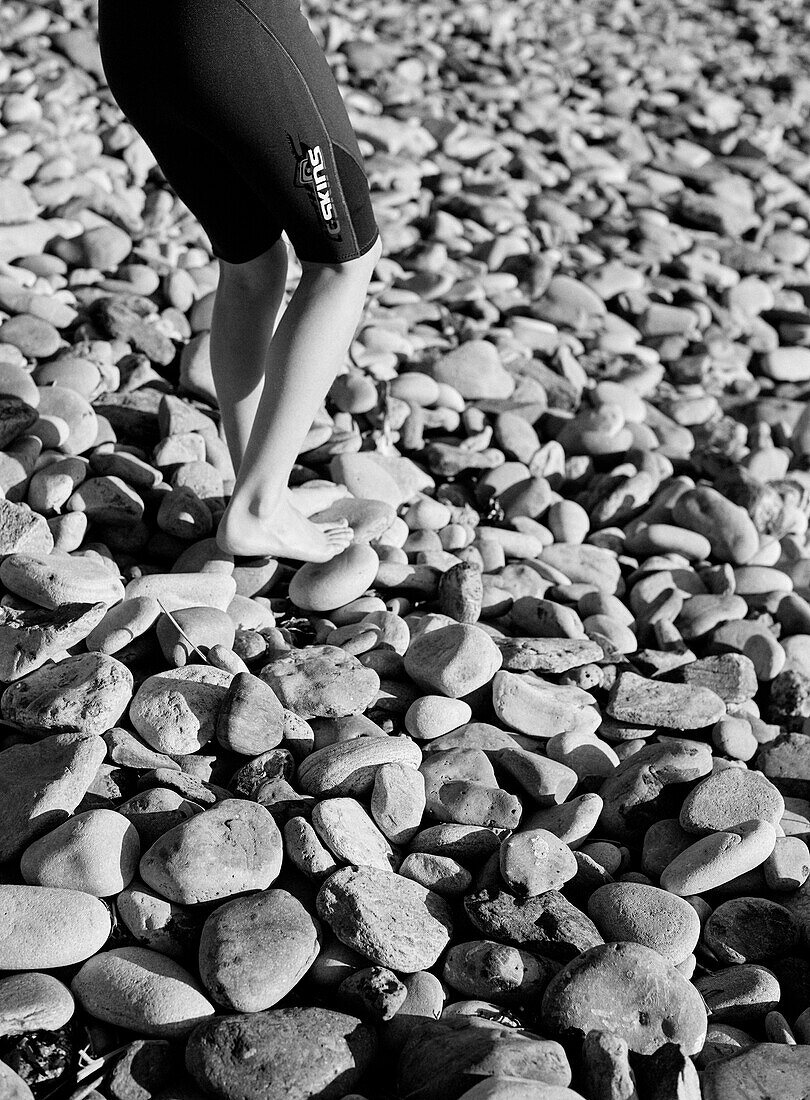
(343, 259)
(242, 257)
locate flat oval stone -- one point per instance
(280, 1054)
(742, 994)
(348, 831)
(322, 586)
(745, 930)
(724, 799)
(142, 991)
(177, 590)
(584, 564)
(84, 694)
(255, 950)
(51, 580)
(728, 526)
(33, 1002)
(634, 698)
(635, 912)
(388, 919)
(321, 681)
(631, 991)
(719, 858)
(43, 928)
(176, 711)
(96, 852)
(233, 847)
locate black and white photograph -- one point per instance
(404, 550)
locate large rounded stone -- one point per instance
(43, 928)
(233, 847)
(631, 991)
(84, 694)
(323, 586)
(254, 950)
(321, 681)
(281, 1054)
(453, 660)
(635, 912)
(388, 919)
(97, 852)
(176, 711)
(142, 991)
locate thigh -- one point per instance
(152, 95)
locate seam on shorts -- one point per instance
(255, 15)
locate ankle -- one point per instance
(259, 506)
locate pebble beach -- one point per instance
(510, 799)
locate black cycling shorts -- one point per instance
(243, 114)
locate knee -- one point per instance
(358, 269)
(256, 275)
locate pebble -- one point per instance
(84, 694)
(768, 1068)
(535, 861)
(232, 847)
(604, 988)
(255, 950)
(176, 711)
(653, 703)
(719, 858)
(41, 784)
(46, 927)
(454, 660)
(744, 930)
(321, 682)
(389, 920)
(442, 1060)
(142, 991)
(33, 1002)
(54, 580)
(281, 1054)
(724, 799)
(327, 585)
(636, 912)
(96, 852)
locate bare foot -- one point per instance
(284, 534)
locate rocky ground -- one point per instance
(511, 800)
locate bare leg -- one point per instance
(305, 353)
(246, 306)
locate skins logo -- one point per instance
(310, 172)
